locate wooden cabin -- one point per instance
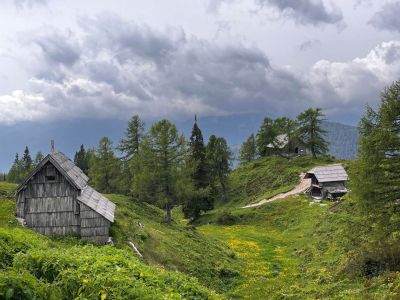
(281, 144)
(327, 181)
(55, 199)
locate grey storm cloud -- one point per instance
(307, 45)
(388, 17)
(29, 3)
(312, 12)
(115, 68)
(307, 12)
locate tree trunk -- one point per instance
(313, 152)
(168, 214)
(223, 190)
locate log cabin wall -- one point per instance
(48, 203)
(94, 226)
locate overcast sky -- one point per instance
(112, 59)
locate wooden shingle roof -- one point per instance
(74, 173)
(97, 202)
(329, 173)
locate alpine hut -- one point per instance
(282, 144)
(55, 199)
(327, 181)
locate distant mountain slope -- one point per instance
(343, 140)
(69, 135)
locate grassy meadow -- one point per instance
(292, 248)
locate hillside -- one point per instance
(37, 267)
(292, 248)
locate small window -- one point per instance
(50, 178)
(50, 170)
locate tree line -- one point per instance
(375, 181)
(21, 167)
(305, 130)
(159, 166)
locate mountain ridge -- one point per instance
(69, 135)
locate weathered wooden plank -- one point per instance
(90, 214)
(52, 219)
(59, 230)
(56, 204)
(95, 222)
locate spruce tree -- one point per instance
(219, 158)
(248, 150)
(16, 172)
(27, 160)
(200, 200)
(81, 159)
(129, 145)
(310, 131)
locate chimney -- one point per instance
(52, 146)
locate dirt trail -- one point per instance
(300, 188)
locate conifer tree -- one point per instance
(219, 157)
(105, 169)
(16, 172)
(81, 159)
(158, 167)
(38, 158)
(265, 136)
(26, 160)
(375, 176)
(248, 150)
(310, 131)
(129, 145)
(200, 200)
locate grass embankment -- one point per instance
(177, 247)
(291, 248)
(37, 267)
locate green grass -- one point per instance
(177, 247)
(7, 189)
(33, 266)
(292, 248)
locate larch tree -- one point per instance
(265, 136)
(310, 131)
(248, 150)
(129, 144)
(375, 176)
(159, 167)
(105, 170)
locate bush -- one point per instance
(21, 286)
(226, 218)
(92, 272)
(14, 241)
